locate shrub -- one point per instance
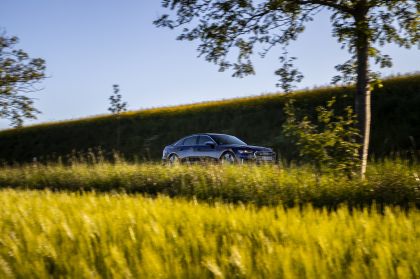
(330, 144)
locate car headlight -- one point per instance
(245, 151)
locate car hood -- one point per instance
(253, 147)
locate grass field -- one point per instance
(45, 234)
(388, 183)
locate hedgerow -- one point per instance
(257, 120)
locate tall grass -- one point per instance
(59, 235)
(387, 183)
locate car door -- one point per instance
(206, 151)
(186, 149)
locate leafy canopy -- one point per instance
(247, 26)
(19, 75)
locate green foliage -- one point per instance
(288, 75)
(330, 144)
(18, 76)
(63, 235)
(247, 27)
(257, 120)
(116, 106)
(368, 25)
(390, 183)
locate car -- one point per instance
(215, 147)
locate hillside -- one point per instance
(257, 120)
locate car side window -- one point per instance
(204, 139)
(178, 143)
(190, 141)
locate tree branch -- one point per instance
(342, 8)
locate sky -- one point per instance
(89, 45)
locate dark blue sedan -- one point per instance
(219, 147)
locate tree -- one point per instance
(360, 26)
(116, 104)
(116, 107)
(19, 76)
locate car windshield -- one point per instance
(225, 139)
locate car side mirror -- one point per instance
(210, 143)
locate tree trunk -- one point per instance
(363, 97)
(118, 133)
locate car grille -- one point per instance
(265, 156)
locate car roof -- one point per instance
(201, 134)
(207, 134)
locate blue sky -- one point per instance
(91, 44)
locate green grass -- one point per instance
(257, 120)
(58, 235)
(388, 183)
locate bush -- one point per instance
(331, 144)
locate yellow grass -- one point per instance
(45, 234)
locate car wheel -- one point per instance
(174, 159)
(228, 158)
